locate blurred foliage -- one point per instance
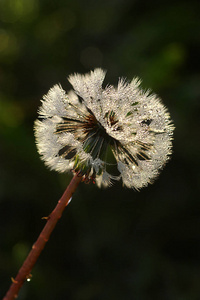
(114, 243)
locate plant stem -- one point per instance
(52, 219)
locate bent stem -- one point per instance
(52, 219)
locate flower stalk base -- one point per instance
(38, 246)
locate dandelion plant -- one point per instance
(101, 135)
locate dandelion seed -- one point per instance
(104, 134)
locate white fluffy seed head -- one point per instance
(105, 134)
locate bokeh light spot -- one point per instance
(9, 45)
(55, 25)
(11, 114)
(91, 57)
(14, 10)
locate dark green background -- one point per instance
(114, 243)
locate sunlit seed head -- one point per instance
(104, 134)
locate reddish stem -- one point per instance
(52, 219)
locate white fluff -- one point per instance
(75, 130)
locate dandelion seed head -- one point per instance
(105, 134)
